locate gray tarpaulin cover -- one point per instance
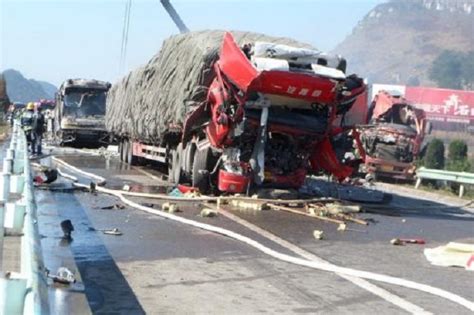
(146, 101)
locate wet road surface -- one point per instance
(162, 267)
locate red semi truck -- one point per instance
(393, 139)
(267, 120)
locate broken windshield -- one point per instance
(82, 103)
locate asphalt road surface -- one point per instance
(158, 266)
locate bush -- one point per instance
(457, 157)
(434, 157)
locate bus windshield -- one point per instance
(83, 103)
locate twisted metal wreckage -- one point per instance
(268, 118)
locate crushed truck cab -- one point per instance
(271, 113)
(393, 139)
(79, 114)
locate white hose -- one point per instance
(290, 259)
(100, 179)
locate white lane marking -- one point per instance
(372, 288)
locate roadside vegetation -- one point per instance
(456, 160)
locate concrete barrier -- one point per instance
(26, 292)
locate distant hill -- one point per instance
(20, 89)
(49, 88)
(397, 41)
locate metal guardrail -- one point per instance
(25, 292)
(462, 178)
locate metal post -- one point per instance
(10, 154)
(418, 182)
(7, 165)
(461, 191)
(5, 187)
(2, 234)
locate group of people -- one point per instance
(33, 124)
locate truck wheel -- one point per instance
(120, 150)
(200, 173)
(132, 159)
(176, 160)
(188, 159)
(124, 151)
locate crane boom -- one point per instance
(174, 16)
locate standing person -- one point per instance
(27, 121)
(38, 129)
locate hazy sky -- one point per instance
(56, 40)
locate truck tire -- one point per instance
(132, 159)
(201, 170)
(124, 154)
(120, 150)
(176, 162)
(188, 159)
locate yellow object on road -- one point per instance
(452, 255)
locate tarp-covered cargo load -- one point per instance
(158, 95)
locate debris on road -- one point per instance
(318, 234)
(67, 228)
(113, 231)
(342, 227)
(249, 205)
(63, 276)
(336, 208)
(47, 175)
(208, 213)
(170, 207)
(116, 206)
(452, 255)
(403, 241)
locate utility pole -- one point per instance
(174, 16)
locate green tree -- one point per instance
(434, 157)
(453, 70)
(446, 69)
(457, 156)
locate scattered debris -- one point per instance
(319, 235)
(176, 193)
(336, 208)
(452, 255)
(208, 213)
(114, 231)
(342, 227)
(116, 206)
(92, 187)
(352, 219)
(403, 241)
(319, 217)
(170, 207)
(47, 176)
(67, 228)
(63, 276)
(249, 205)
